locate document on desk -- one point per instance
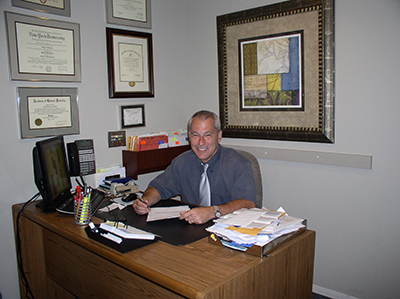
(166, 212)
(251, 218)
(126, 231)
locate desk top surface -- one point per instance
(185, 269)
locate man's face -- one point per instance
(204, 138)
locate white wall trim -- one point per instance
(305, 156)
(331, 294)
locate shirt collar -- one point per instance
(213, 160)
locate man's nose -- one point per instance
(202, 140)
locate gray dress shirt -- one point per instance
(229, 173)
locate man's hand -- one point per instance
(141, 206)
(201, 215)
(198, 215)
(149, 198)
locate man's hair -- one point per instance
(204, 115)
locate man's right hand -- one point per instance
(141, 206)
(150, 197)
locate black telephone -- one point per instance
(81, 157)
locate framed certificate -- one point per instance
(58, 7)
(43, 49)
(132, 116)
(130, 64)
(136, 13)
(48, 111)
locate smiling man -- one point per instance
(230, 177)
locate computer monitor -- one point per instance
(51, 172)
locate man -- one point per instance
(229, 173)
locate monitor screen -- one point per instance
(51, 171)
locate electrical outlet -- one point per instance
(116, 138)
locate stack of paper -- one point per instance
(157, 140)
(177, 138)
(247, 227)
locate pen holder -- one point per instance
(82, 212)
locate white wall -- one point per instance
(353, 211)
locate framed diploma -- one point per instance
(48, 111)
(130, 64)
(136, 13)
(132, 116)
(58, 7)
(42, 49)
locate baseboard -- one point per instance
(331, 294)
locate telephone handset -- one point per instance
(81, 157)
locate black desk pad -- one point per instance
(172, 231)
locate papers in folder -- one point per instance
(126, 231)
(247, 227)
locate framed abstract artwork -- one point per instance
(276, 72)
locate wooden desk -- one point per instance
(60, 261)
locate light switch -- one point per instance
(116, 138)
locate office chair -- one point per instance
(257, 176)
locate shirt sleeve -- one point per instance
(165, 183)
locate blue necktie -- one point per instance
(205, 193)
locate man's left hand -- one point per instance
(198, 215)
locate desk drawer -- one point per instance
(87, 275)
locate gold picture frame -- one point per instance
(313, 120)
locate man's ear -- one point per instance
(219, 136)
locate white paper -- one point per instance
(130, 10)
(128, 232)
(250, 217)
(166, 213)
(49, 112)
(45, 50)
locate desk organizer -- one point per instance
(82, 212)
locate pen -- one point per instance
(93, 228)
(144, 202)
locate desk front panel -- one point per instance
(89, 275)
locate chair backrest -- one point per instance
(257, 176)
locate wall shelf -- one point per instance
(142, 162)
